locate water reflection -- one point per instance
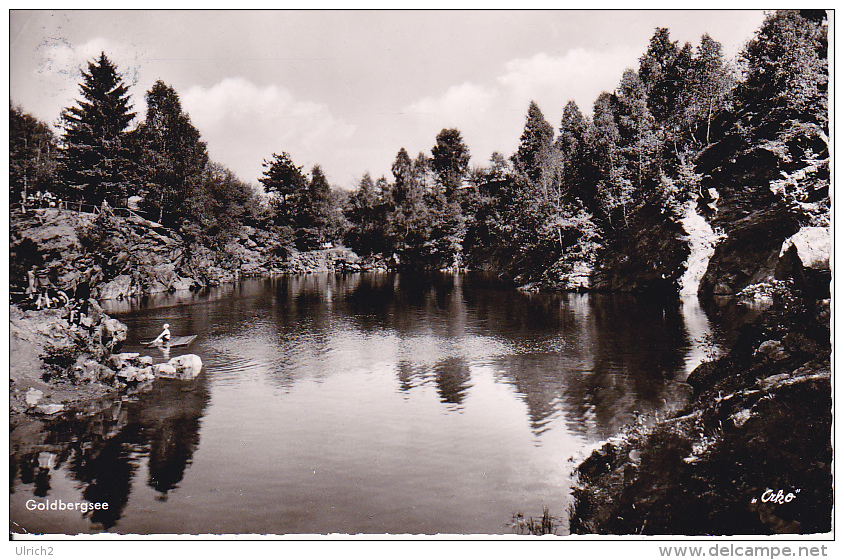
(102, 450)
(364, 402)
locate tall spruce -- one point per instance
(535, 147)
(96, 164)
(572, 143)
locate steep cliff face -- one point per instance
(749, 252)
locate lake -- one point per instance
(364, 403)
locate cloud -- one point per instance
(60, 60)
(237, 117)
(457, 103)
(55, 66)
(580, 75)
(484, 113)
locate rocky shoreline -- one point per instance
(56, 365)
(707, 469)
(750, 454)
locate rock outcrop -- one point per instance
(706, 468)
(123, 257)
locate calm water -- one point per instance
(360, 404)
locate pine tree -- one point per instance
(572, 145)
(95, 161)
(662, 71)
(403, 174)
(316, 224)
(535, 147)
(285, 181)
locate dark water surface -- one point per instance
(360, 403)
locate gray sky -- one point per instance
(347, 89)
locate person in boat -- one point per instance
(164, 337)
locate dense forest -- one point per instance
(597, 202)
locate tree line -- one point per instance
(607, 192)
(604, 191)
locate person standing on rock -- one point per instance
(31, 289)
(43, 282)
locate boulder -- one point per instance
(722, 289)
(33, 396)
(179, 283)
(128, 372)
(132, 374)
(118, 288)
(773, 349)
(49, 409)
(87, 370)
(164, 370)
(187, 366)
(119, 361)
(114, 333)
(813, 247)
(805, 257)
(95, 312)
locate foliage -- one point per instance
(222, 205)
(95, 162)
(59, 359)
(606, 192)
(172, 159)
(535, 146)
(301, 206)
(32, 155)
(450, 160)
(104, 241)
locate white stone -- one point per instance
(813, 247)
(33, 396)
(187, 366)
(50, 408)
(164, 370)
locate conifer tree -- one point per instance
(535, 146)
(285, 181)
(95, 160)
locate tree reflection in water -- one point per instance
(311, 364)
(103, 450)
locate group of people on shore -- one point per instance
(40, 199)
(73, 297)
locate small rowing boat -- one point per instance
(174, 341)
